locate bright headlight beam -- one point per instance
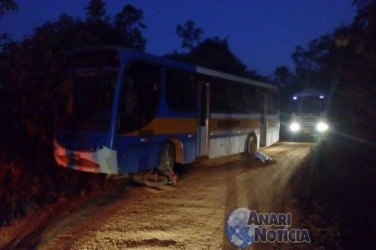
(322, 127)
(294, 126)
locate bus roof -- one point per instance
(134, 54)
(309, 92)
(210, 72)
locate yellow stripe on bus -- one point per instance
(219, 124)
(160, 126)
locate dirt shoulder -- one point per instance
(190, 216)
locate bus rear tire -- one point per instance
(251, 145)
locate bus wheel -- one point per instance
(252, 145)
(167, 162)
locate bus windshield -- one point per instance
(86, 99)
(308, 104)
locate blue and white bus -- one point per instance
(123, 111)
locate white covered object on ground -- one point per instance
(262, 157)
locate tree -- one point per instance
(215, 53)
(190, 34)
(6, 5)
(129, 25)
(95, 11)
(30, 73)
(31, 69)
(344, 62)
(283, 76)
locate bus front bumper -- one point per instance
(103, 160)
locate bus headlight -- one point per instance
(294, 127)
(322, 126)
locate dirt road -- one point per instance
(190, 216)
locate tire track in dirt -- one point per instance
(191, 216)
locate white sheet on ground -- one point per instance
(262, 157)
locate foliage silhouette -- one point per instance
(213, 53)
(336, 183)
(30, 72)
(190, 35)
(7, 5)
(343, 63)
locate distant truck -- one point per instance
(308, 113)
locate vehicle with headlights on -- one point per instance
(308, 114)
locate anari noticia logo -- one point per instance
(244, 226)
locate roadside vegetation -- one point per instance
(30, 73)
(334, 188)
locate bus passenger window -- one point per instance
(140, 96)
(253, 102)
(180, 91)
(237, 98)
(219, 102)
(272, 102)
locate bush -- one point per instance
(337, 185)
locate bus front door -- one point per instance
(202, 149)
(263, 121)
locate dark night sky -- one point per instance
(262, 33)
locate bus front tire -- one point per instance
(167, 159)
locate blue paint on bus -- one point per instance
(131, 151)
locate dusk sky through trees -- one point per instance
(263, 34)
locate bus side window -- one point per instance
(219, 102)
(261, 95)
(272, 102)
(180, 91)
(234, 97)
(140, 96)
